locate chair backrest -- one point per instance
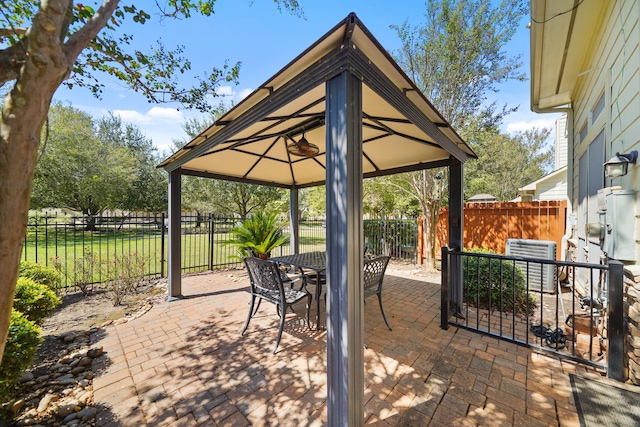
(374, 274)
(264, 274)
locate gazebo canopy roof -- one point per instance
(401, 130)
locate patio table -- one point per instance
(314, 261)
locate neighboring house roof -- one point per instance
(553, 176)
(482, 198)
(561, 33)
(400, 129)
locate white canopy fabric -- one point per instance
(401, 130)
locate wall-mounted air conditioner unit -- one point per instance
(541, 276)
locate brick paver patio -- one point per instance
(185, 363)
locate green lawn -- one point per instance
(102, 247)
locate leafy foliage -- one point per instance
(35, 300)
(456, 57)
(492, 284)
(90, 166)
(258, 235)
(124, 274)
(506, 163)
(22, 343)
(42, 274)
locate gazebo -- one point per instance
(343, 110)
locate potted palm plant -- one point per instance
(258, 235)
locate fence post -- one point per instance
(162, 254)
(615, 309)
(444, 288)
(212, 224)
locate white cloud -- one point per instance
(161, 124)
(520, 126)
(243, 94)
(166, 114)
(225, 91)
(132, 116)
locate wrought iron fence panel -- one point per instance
(89, 250)
(503, 296)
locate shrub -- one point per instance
(22, 343)
(36, 301)
(42, 274)
(125, 273)
(84, 269)
(490, 283)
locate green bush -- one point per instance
(22, 343)
(42, 274)
(36, 301)
(125, 273)
(505, 280)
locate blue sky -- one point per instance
(265, 40)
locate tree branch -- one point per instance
(81, 38)
(15, 31)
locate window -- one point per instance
(583, 132)
(597, 110)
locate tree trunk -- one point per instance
(45, 65)
(428, 231)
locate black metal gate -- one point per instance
(507, 297)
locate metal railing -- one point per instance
(577, 314)
(77, 245)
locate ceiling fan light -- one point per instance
(303, 148)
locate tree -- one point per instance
(52, 42)
(456, 58)
(93, 166)
(147, 191)
(79, 170)
(507, 163)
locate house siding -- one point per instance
(613, 68)
(614, 65)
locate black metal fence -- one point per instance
(397, 238)
(571, 309)
(80, 247)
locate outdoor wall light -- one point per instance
(619, 164)
(302, 148)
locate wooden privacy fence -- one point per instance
(490, 224)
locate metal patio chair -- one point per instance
(373, 278)
(266, 284)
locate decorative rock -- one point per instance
(84, 383)
(17, 405)
(90, 414)
(42, 378)
(85, 361)
(44, 402)
(66, 381)
(26, 422)
(26, 377)
(70, 417)
(77, 370)
(95, 352)
(66, 410)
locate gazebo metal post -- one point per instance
(175, 242)
(345, 343)
(294, 221)
(456, 227)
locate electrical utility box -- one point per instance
(617, 218)
(542, 277)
